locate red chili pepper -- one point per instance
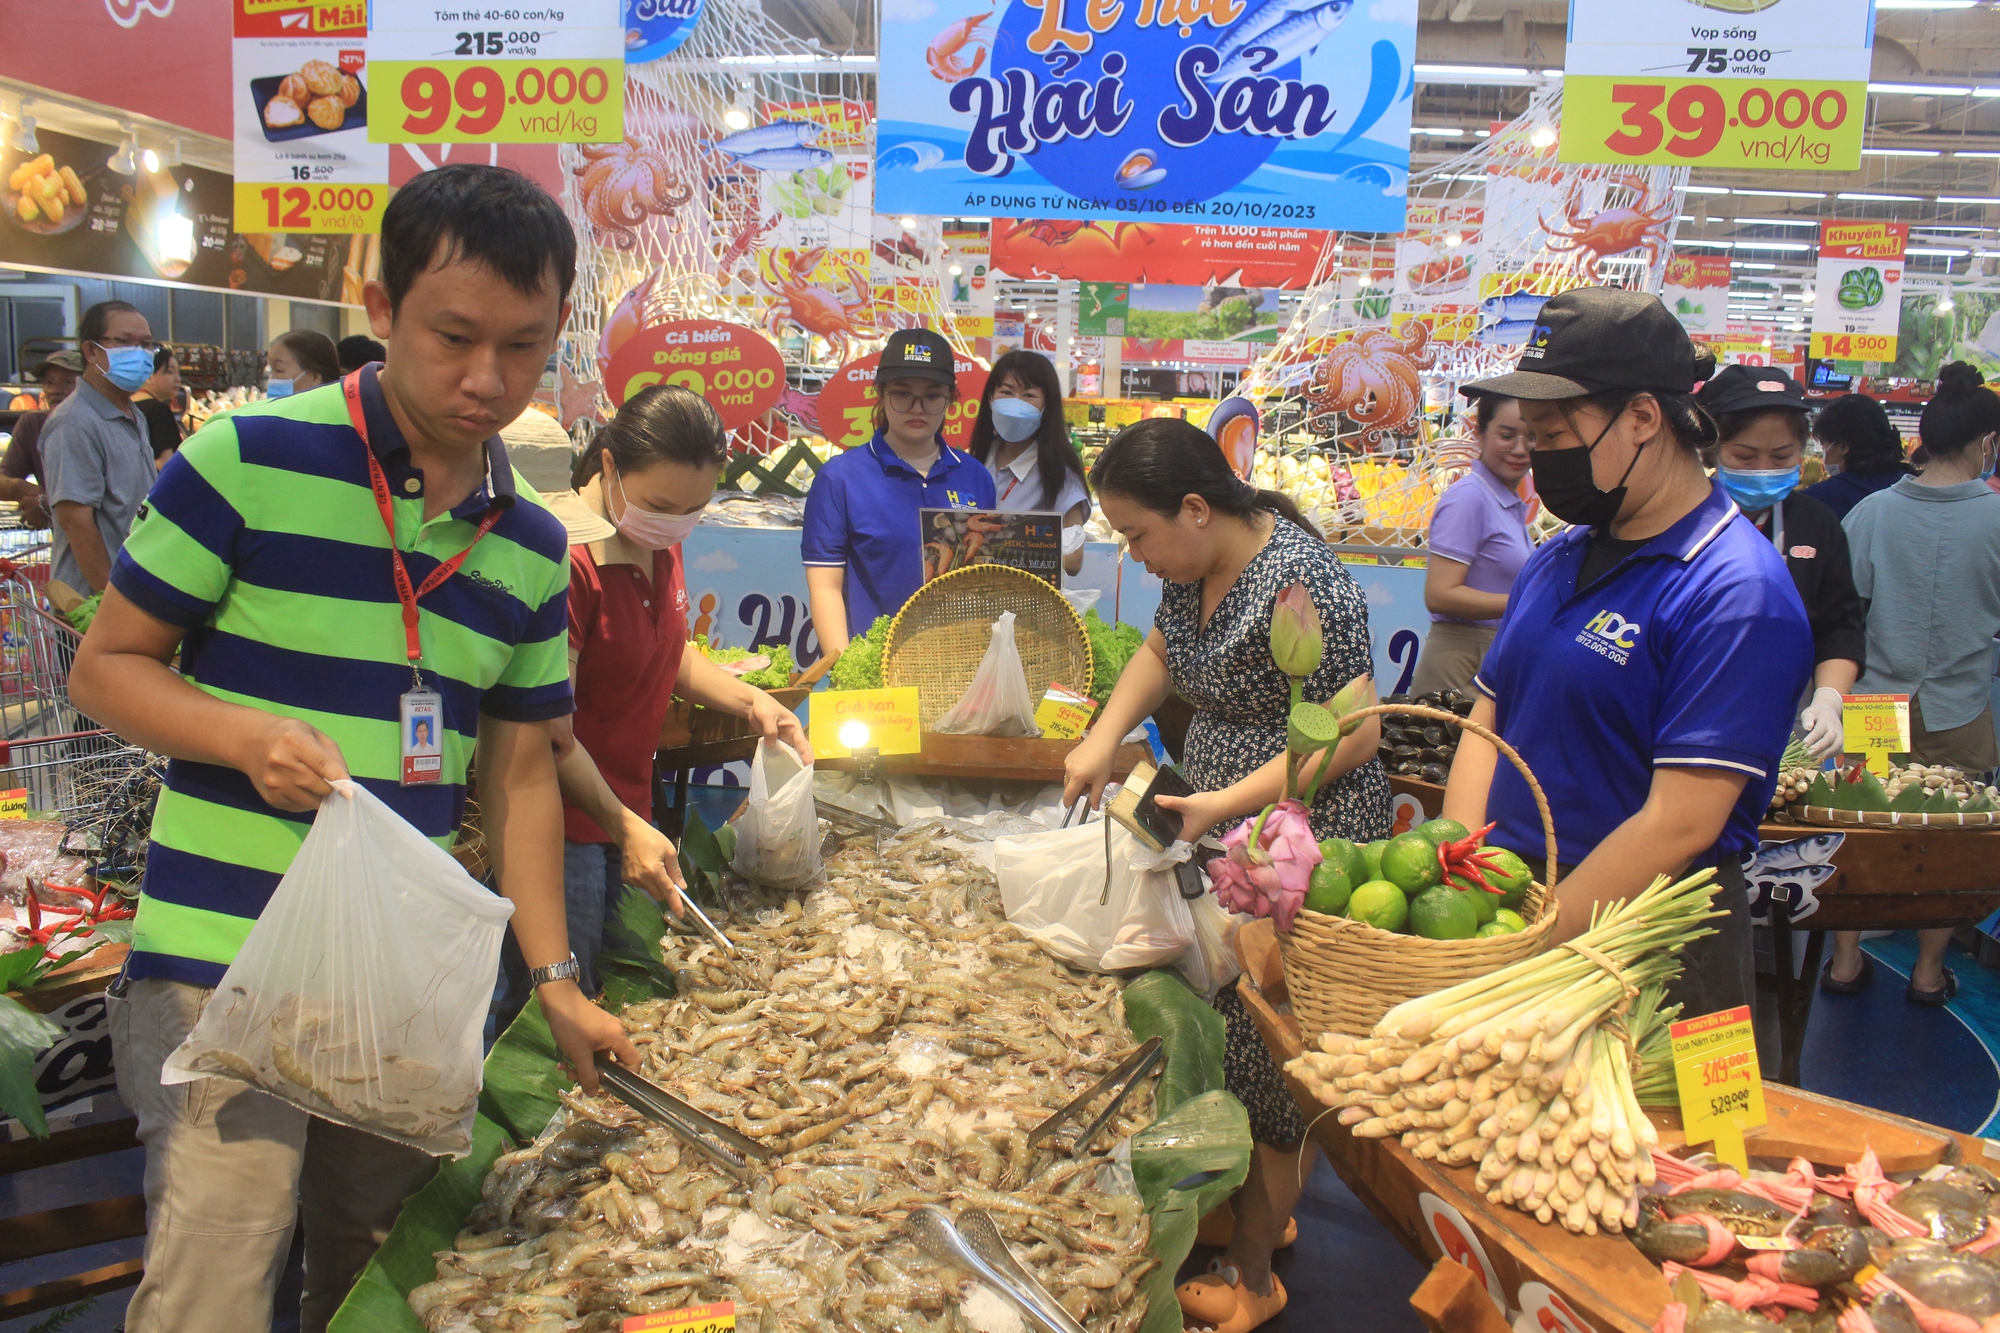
(1467, 857)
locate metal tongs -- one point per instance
(974, 1243)
(731, 955)
(735, 1153)
(1125, 1078)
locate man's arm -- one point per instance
(650, 859)
(522, 807)
(79, 524)
(121, 680)
(826, 595)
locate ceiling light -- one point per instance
(1482, 134)
(1777, 222)
(1808, 296)
(176, 237)
(1543, 136)
(1967, 198)
(1452, 238)
(1785, 194)
(1924, 4)
(1711, 245)
(1986, 91)
(955, 270)
(1746, 263)
(1899, 152)
(1774, 245)
(1936, 253)
(1922, 89)
(122, 161)
(1945, 305)
(1881, 198)
(1552, 74)
(1707, 189)
(736, 118)
(1426, 70)
(152, 161)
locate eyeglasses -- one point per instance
(930, 404)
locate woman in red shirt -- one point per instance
(648, 475)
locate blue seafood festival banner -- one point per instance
(1232, 111)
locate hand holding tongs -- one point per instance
(733, 1152)
(1125, 1078)
(731, 955)
(975, 1245)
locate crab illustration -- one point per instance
(815, 308)
(1373, 378)
(1638, 225)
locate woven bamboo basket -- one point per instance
(1344, 975)
(937, 640)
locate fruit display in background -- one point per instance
(1417, 747)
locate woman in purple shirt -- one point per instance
(1479, 541)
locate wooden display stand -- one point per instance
(1884, 879)
(1006, 758)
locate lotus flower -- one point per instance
(1268, 877)
(1296, 641)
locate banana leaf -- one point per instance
(24, 1034)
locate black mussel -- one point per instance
(1397, 699)
(1407, 752)
(1431, 700)
(1434, 773)
(1392, 735)
(1435, 734)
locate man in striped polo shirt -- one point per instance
(264, 556)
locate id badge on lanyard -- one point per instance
(422, 730)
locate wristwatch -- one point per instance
(567, 970)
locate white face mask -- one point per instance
(643, 527)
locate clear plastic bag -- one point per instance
(1053, 888)
(1211, 961)
(777, 835)
(997, 702)
(361, 993)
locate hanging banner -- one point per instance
(969, 281)
(1434, 271)
(654, 28)
(847, 403)
(1857, 297)
(1697, 291)
(557, 76)
(1192, 254)
(299, 87)
(1270, 113)
(735, 368)
(1783, 88)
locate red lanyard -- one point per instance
(351, 386)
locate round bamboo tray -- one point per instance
(1820, 814)
(937, 640)
(1344, 974)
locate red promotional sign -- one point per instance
(734, 367)
(1183, 254)
(847, 403)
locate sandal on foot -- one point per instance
(1219, 1300)
(1218, 1228)
(1854, 985)
(1934, 999)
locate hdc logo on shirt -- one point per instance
(1611, 635)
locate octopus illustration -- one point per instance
(1373, 378)
(622, 184)
(1638, 225)
(815, 308)
(944, 54)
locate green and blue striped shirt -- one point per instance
(262, 541)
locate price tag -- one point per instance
(303, 96)
(1767, 1243)
(14, 803)
(1064, 716)
(736, 368)
(1875, 726)
(842, 721)
(1739, 124)
(1858, 290)
(310, 208)
(1721, 1088)
(717, 1318)
(498, 75)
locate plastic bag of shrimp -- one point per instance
(1105, 906)
(361, 993)
(777, 835)
(997, 703)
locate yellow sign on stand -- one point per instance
(717, 1318)
(1875, 726)
(1721, 1087)
(843, 721)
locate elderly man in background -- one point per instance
(96, 456)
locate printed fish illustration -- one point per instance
(784, 159)
(1514, 305)
(1299, 35)
(778, 134)
(1505, 333)
(1796, 854)
(1259, 21)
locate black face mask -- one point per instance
(1568, 489)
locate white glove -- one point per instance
(1821, 720)
(1072, 539)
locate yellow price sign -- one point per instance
(717, 1318)
(1854, 346)
(1721, 1087)
(497, 101)
(1875, 726)
(309, 208)
(1737, 124)
(14, 803)
(842, 721)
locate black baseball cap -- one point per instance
(1751, 389)
(1595, 339)
(917, 354)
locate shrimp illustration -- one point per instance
(943, 53)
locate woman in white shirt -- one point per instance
(1021, 437)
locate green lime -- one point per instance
(1490, 930)
(1510, 921)
(1348, 857)
(1510, 875)
(1410, 862)
(1371, 859)
(1442, 913)
(1329, 891)
(1484, 904)
(1380, 904)
(1442, 831)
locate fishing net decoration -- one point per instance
(771, 226)
(1361, 418)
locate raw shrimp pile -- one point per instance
(893, 1041)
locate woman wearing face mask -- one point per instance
(1927, 564)
(1651, 656)
(1021, 437)
(298, 361)
(1863, 451)
(646, 477)
(1479, 541)
(1760, 413)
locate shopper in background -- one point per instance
(1863, 452)
(277, 623)
(21, 468)
(1024, 441)
(356, 351)
(96, 456)
(1479, 541)
(862, 549)
(155, 401)
(1927, 565)
(1760, 414)
(1226, 550)
(298, 361)
(1651, 656)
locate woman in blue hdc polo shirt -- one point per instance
(1650, 657)
(862, 549)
